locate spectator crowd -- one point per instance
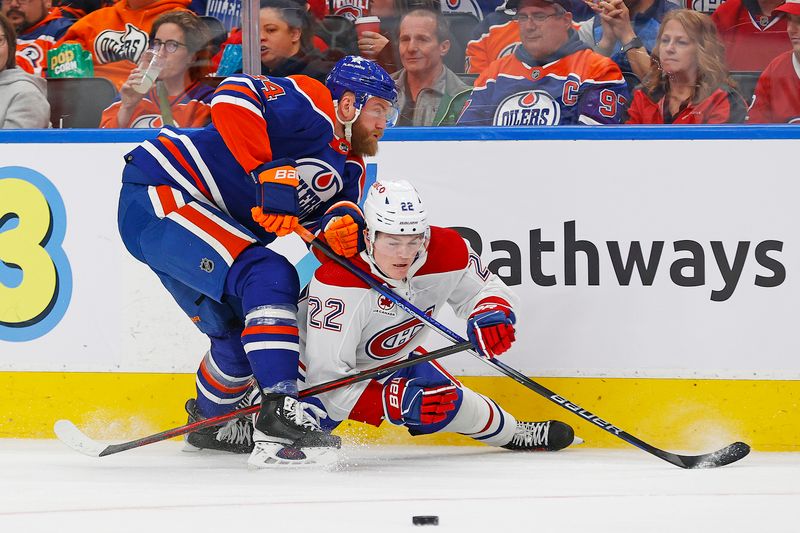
(519, 63)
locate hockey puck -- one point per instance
(425, 520)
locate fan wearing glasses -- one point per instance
(551, 79)
(178, 97)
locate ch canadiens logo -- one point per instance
(528, 108)
(351, 9)
(113, 45)
(389, 342)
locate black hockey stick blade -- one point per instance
(722, 457)
(69, 434)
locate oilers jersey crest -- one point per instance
(256, 119)
(579, 87)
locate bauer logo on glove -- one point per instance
(277, 203)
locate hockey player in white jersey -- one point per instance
(347, 327)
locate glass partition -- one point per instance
(518, 63)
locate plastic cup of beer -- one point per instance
(367, 24)
(150, 66)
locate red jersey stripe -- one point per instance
(176, 153)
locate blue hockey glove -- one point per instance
(415, 402)
(491, 330)
(277, 203)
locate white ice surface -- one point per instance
(45, 486)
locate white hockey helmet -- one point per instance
(394, 207)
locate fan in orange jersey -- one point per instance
(552, 78)
(117, 36)
(178, 97)
(38, 26)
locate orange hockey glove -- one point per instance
(344, 225)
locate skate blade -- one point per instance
(576, 440)
(190, 448)
(276, 455)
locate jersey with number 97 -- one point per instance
(582, 87)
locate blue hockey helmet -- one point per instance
(362, 77)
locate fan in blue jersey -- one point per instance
(199, 207)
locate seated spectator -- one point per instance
(178, 97)
(552, 78)
(688, 82)
(286, 41)
(498, 34)
(777, 95)
(354, 9)
(23, 96)
(381, 47)
(38, 26)
(117, 36)
(625, 31)
(752, 31)
(76, 9)
(428, 93)
(495, 37)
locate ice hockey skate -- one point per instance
(287, 434)
(550, 436)
(235, 436)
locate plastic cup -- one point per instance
(151, 63)
(367, 24)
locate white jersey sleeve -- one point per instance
(476, 286)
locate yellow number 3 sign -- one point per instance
(35, 277)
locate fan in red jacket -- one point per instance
(777, 95)
(752, 31)
(688, 82)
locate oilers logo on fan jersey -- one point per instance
(582, 87)
(528, 108)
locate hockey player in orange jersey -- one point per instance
(117, 36)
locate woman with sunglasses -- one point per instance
(178, 98)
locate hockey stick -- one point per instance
(728, 454)
(69, 434)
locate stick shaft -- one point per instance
(312, 391)
(502, 367)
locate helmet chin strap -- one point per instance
(348, 124)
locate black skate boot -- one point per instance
(286, 433)
(235, 436)
(549, 436)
